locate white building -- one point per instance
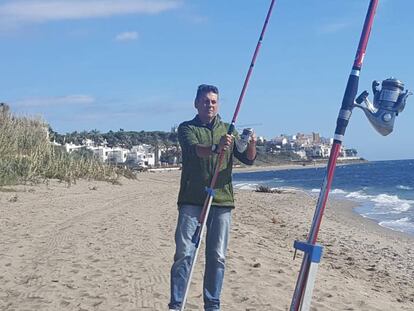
(101, 152)
(118, 155)
(141, 155)
(320, 151)
(300, 153)
(260, 139)
(70, 147)
(88, 142)
(142, 159)
(280, 140)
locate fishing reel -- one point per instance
(389, 101)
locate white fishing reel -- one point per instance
(389, 101)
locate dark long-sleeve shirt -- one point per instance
(197, 172)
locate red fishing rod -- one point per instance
(210, 191)
(312, 253)
(389, 101)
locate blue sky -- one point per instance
(135, 64)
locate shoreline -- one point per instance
(350, 242)
(351, 213)
(331, 196)
(278, 167)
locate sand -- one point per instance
(98, 246)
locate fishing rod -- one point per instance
(389, 100)
(210, 191)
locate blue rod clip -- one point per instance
(210, 192)
(314, 251)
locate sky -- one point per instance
(136, 64)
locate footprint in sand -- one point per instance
(371, 268)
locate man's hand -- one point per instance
(251, 147)
(225, 142)
(253, 138)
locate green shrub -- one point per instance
(26, 155)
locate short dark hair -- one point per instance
(204, 89)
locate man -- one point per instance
(201, 140)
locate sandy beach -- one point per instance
(98, 246)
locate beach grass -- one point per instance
(27, 155)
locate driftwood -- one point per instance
(267, 189)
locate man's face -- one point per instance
(207, 106)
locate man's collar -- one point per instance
(212, 124)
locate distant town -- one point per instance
(161, 149)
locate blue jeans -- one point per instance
(217, 227)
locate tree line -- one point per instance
(121, 138)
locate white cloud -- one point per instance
(19, 12)
(127, 36)
(54, 101)
(333, 28)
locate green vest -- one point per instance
(197, 172)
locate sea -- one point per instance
(383, 190)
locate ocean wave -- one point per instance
(246, 186)
(358, 195)
(338, 191)
(393, 201)
(402, 187)
(383, 203)
(333, 191)
(403, 224)
(288, 188)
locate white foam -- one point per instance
(338, 191)
(290, 189)
(402, 187)
(333, 191)
(393, 202)
(402, 224)
(246, 186)
(359, 195)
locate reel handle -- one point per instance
(362, 97)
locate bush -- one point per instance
(26, 155)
